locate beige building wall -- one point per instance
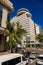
(4, 18)
(27, 23)
(37, 30)
(14, 19)
(33, 38)
(37, 27)
(2, 43)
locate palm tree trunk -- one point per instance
(11, 48)
(16, 49)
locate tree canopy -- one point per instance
(39, 37)
(15, 34)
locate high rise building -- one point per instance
(37, 29)
(25, 19)
(41, 31)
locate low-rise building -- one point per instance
(37, 29)
(5, 7)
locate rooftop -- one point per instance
(22, 11)
(7, 4)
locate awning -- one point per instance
(7, 4)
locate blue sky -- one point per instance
(34, 6)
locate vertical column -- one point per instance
(2, 44)
(23, 39)
(4, 18)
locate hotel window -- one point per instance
(27, 15)
(32, 41)
(0, 15)
(27, 41)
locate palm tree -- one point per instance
(15, 34)
(20, 33)
(39, 37)
(10, 31)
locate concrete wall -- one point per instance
(4, 18)
(2, 43)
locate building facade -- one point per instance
(41, 31)
(37, 29)
(25, 19)
(5, 7)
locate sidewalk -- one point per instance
(4, 53)
(35, 50)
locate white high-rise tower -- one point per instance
(25, 19)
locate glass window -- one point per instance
(39, 64)
(12, 62)
(27, 15)
(17, 60)
(27, 41)
(40, 58)
(32, 41)
(23, 58)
